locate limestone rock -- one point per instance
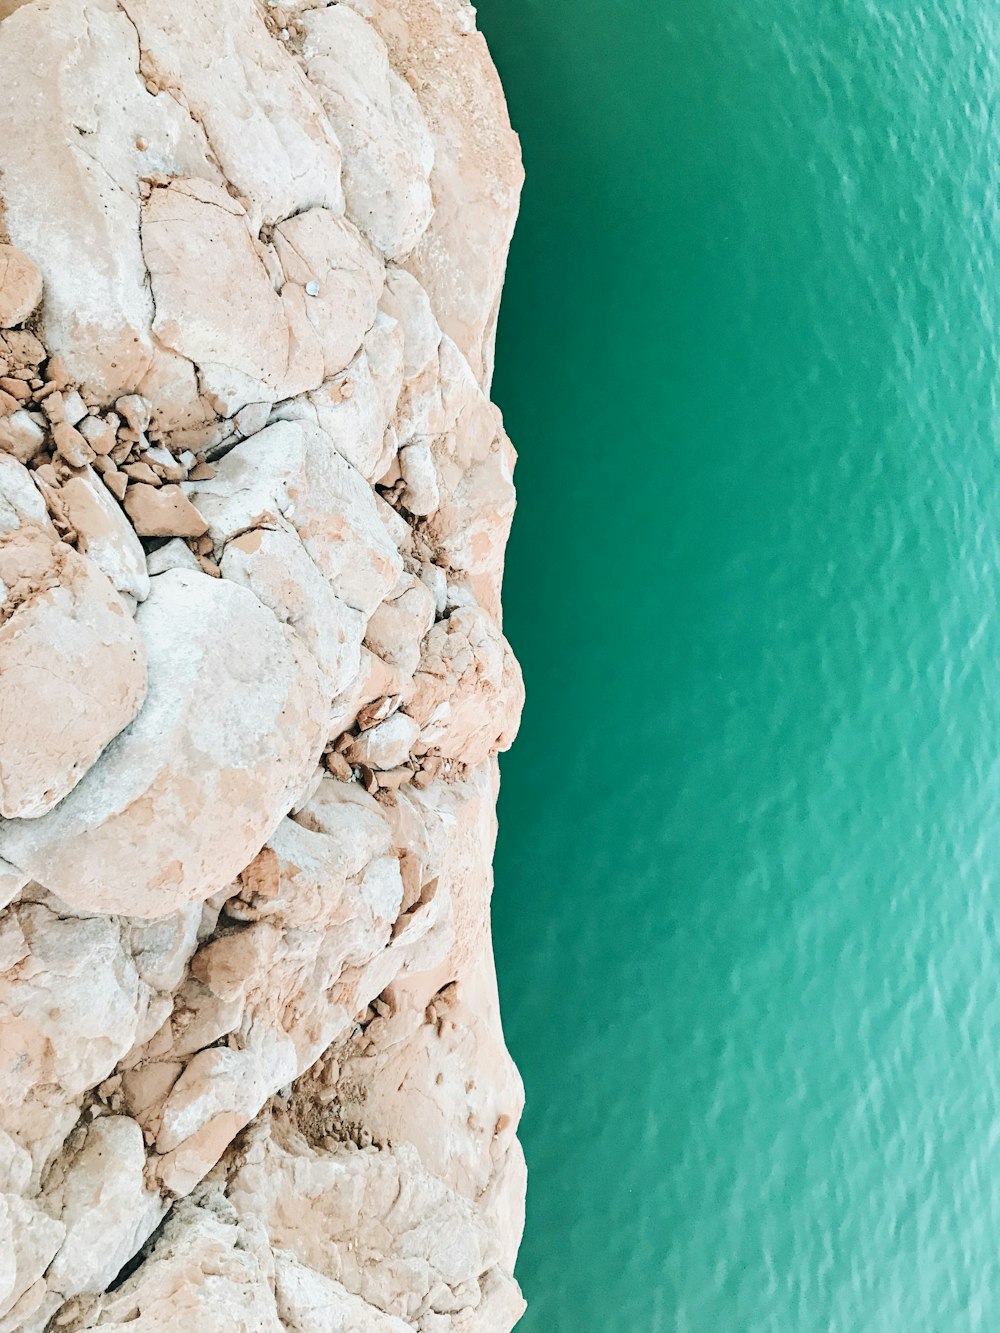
(385, 745)
(219, 730)
(291, 476)
(163, 512)
(101, 1196)
(253, 506)
(241, 359)
(388, 152)
(104, 533)
(20, 286)
(72, 670)
(326, 257)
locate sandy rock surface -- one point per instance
(254, 500)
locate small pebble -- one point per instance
(312, 287)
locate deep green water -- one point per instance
(747, 917)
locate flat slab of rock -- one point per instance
(72, 670)
(162, 511)
(233, 722)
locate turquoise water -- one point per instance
(747, 918)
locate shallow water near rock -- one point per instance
(746, 906)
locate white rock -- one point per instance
(468, 692)
(308, 1302)
(74, 671)
(70, 164)
(203, 266)
(20, 286)
(100, 1195)
(206, 1272)
(274, 565)
(388, 152)
(416, 463)
(318, 246)
(291, 475)
(28, 1240)
(106, 535)
(12, 881)
(385, 745)
(397, 628)
(222, 730)
(266, 126)
(174, 554)
(356, 407)
(20, 436)
(20, 499)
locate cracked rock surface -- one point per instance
(254, 500)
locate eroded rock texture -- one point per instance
(254, 500)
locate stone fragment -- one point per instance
(416, 465)
(386, 744)
(99, 434)
(20, 499)
(220, 730)
(162, 512)
(105, 534)
(73, 670)
(72, 445)
(135, 409)
(20, 286)
(174, 554)
(74, 408)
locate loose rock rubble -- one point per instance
(254, 501)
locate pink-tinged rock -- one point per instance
(263, 119)
(388, 152)
(70, 161)
(328, 258)
(231, 729)
(20, 286)
(215, 303)
(72, 670)
(163, 511)
(468, 692)
(291, 476)
(105, 534)
(476, 181)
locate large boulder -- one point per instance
(184, 799)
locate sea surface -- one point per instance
(747, 907)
